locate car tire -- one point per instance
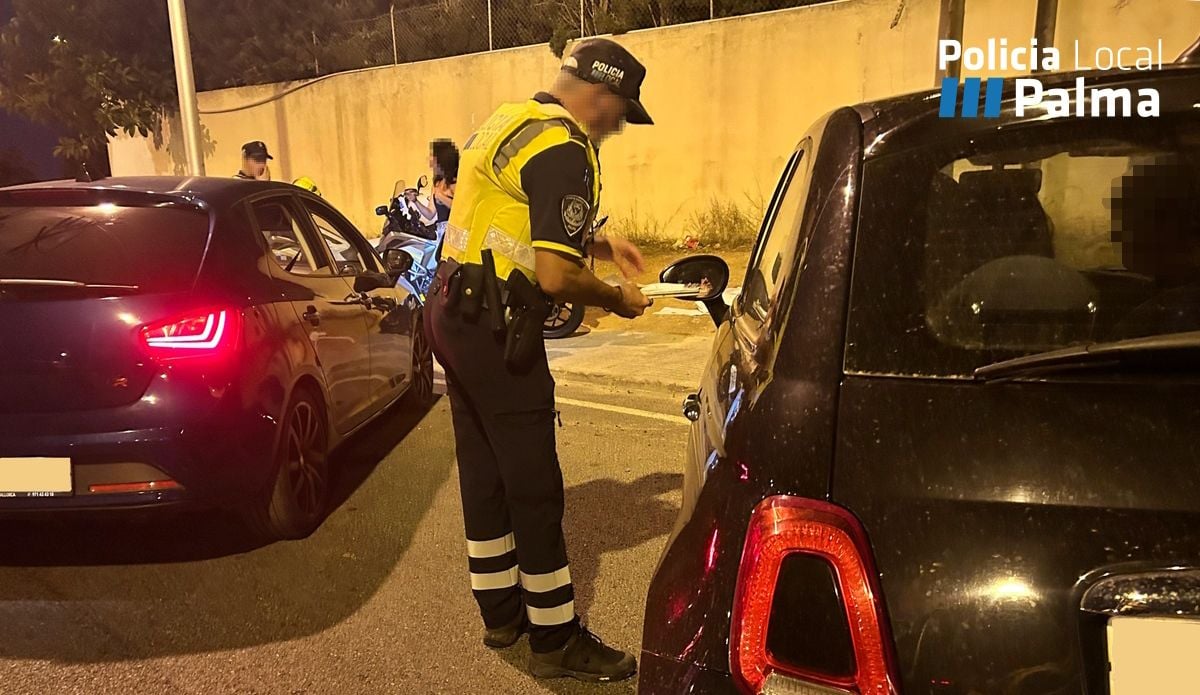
(563, 320)
(421, 391)
(297, 498)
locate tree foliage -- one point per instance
(235, 42)
(75, 65)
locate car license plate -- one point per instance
(35, 477)
(1153, 655)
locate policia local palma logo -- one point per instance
(1080, 101)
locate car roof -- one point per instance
(216, 192)
(890, 125)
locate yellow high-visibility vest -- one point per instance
(491, 211)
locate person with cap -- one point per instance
(254, 161)
(527, 193)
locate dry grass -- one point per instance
(724, 224)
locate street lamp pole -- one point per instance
(186, 84)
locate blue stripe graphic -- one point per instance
(971, 97)
(949, 103)
(991, 103)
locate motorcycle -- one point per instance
(403, 229)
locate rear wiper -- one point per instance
(1170, 351)
(20, 283)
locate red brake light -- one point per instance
(199, 334)
(781, 526)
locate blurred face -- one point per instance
(608, 117)
(255, 167)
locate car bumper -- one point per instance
(658, 675)
(196, 448)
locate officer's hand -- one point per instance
(627, 256)
(624, 253)
(633, 303)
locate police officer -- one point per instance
(528, 189)
(254, 161)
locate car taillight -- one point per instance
(196, 334)
(782, 526)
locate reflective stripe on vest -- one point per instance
(490, 208)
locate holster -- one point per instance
(469, 290)
(491, 291)
(528, 309)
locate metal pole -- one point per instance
(185, 83)
(490, 44)
(395, 47)
(711, 13)
(581, 34)
(950, 26)
(1045, 25)
(316, 59)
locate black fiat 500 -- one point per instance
(948, 441)
(199, 340)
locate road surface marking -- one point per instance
(620, 409)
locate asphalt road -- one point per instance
(376, 601)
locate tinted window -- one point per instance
(779, 241)
(156, 249)
(344, 249)
(285, 238)
(1027, 241)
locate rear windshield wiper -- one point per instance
(1158, 352)
(34, 284)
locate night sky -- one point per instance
(36, 142)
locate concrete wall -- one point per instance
(730, 97)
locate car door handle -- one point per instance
(312, 316)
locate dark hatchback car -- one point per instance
(171, 340)
(949, 440)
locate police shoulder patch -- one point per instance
(574, 214)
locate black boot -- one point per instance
(507, 635)
(584, 657)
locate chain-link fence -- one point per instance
(457, 27)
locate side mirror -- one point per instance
(367, 282)
(422, 182)
(709, 274)
(381, 211)
(397, 262)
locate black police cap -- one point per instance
(256, 150)
(601, 61)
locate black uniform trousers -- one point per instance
(509, 475)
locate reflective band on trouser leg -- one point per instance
(492, 548)
(494, 580)
(549, 597)
(558, 615)
(493, 563)
(542, 583)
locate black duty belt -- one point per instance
(515, 307)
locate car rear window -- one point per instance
(1018, 242)
(155, 249)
